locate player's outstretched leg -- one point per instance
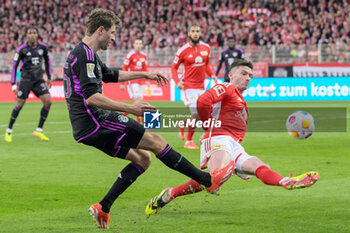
(270, 177)
(219, 177)
(302, 181)
(169, 194)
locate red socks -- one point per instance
(190, 133)
(189, 187)
(267, 176)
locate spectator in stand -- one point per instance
(291, 20)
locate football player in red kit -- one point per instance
(194, 56)
(221, 145)
(135, 60)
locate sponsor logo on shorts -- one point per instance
(123, 118)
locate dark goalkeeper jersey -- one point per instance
(32, 60)
(83, 76)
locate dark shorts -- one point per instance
(116, 135)
(39, 88)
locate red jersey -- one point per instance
(135, 62)
(196, 64)
(224, 102)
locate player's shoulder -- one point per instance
(227, 87)
(205, 45)
(183, 48)
(83, 53)
(143, 54)
(224, 51)
(129, 54)
(22, 46)
(43, 44)
(239, 50)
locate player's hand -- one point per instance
(139, 106)
(180, 85)
(49, 83)
(160, 78)
(215, 79)
(122, 87)
(15, 89)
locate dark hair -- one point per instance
(193, 25)
(101, 17)
(230, 38)
(30, 28)
(241, 62)
(138, 38)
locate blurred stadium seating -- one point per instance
(269, 30)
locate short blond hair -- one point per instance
(101, 17)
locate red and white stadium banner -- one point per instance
(321, 70)
(260, 70)
(152, 92)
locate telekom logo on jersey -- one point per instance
(198, 61)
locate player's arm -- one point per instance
(221, 60)
(18, 57)
(137, 108)
(89, 88)
(109, 75)
(131, 75)
(174, 67)
(47, 67)
(210, 72)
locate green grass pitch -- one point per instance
(49, 186)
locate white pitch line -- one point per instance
(46, 132)
(34, 123)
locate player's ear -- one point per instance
(100, 29)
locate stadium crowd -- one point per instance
(161, 23)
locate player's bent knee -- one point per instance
(20, 103)
(140, 157)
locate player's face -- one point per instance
(240, 77)
(32, 36)
(107, 37)
(138, 45)
(231, 44)
(194, 34)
